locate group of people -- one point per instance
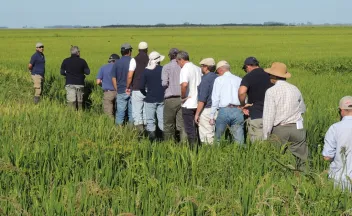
(197, 104)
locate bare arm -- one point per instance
(98, 81)
(129, 79)
(199, 109)
(30, 67)
(242, 94)
(328, 158)
(184, 86)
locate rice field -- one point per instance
(54, 161)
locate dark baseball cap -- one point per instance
(126, 46)
(250, 61)
(173, 51)
(114, 57)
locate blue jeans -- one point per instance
(123, 104)
(232, 117)
(151, 109)
(138, 109)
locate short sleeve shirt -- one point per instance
(38, 63)
(104, 74)
(205, 88)
(257, 82)
(192, 75)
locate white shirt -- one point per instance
(192, 75)
(133, 64)
(283, 104)
(338, 145)
(225, 92)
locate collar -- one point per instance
(227, 73)
(280, 82)
(347, 118)
(74, 55)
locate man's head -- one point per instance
(75, 50)
(113, 58)
(39, 47)
(143, 47)
(173, 53)
(278, 71)
(345, 106)
(222, 67)
(126, 49)
(182, 58)
(250, 64)
(207, 65)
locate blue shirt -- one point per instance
(38, 63)
(338, 139)
(104, 74)
(205, 88)
(120, 71)
(151, 81)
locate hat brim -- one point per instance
(275, 73)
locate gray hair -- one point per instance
(74, 50)
(183, 55)
(227, 67)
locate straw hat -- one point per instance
(278, 69)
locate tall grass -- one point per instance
(54, 161)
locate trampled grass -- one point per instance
(57, 162)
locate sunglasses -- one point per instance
(42, 47)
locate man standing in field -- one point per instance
(225, 99)
(119, 73)
(37, 68)
(282, 115)
(133, 84)
(190, 77)
(205, 89)
(338, 146)
(173, 120)
(154, 97)
(75, 70)
(104, 79)
(254, 84)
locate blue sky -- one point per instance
(40, 13)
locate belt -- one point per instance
(233, 106)
(109, 90)
(285, 124)
(173, 97)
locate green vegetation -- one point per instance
(54, 161)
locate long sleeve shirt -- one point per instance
(225, 92)
(283, 104)
(170, 78)
(338, 146)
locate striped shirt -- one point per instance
(170, 79)
(283, 104)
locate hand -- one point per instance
(245, 111)
(212, 121)
(128, 91)
(196, 118)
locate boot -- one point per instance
(36, 99)
(151, 135)
(72, 105)
(80, 106)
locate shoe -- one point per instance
(151, 135)
(36, 99)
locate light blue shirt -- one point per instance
(225, 92)
(338, 145)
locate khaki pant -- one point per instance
(206, 131)
(173, 120)
(74, 93)
(255, 129)
(109, 103)
(37, 84)
(296, 140)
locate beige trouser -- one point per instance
(109, 102)
(206, 131)
(255, 129)
(37, 84)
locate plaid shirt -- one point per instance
(283, 105)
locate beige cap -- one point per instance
(222, 63)
(278, 69)
(39, 45)
(207, 62)
(346, 102)
(142, 45)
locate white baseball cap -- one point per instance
(222, 63)
(39, 45)
(142, 45)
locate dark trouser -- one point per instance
(296, 138)
(190, 126)
(173, 118)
